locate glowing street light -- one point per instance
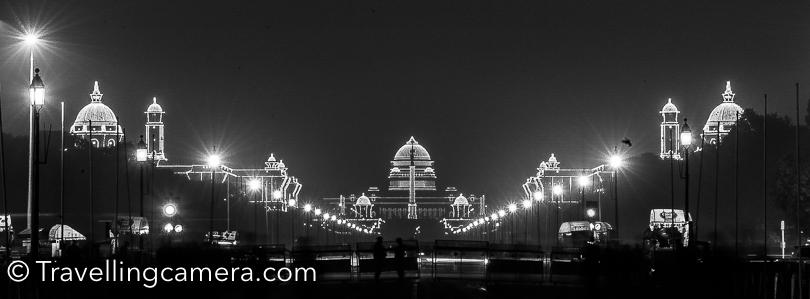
(583, 181)
(590, 213)
(30, 39)
(512, 208)
(213, 161)
(254, 184)
(527, 203)
(616, 161)
(686, 135)
(37, 92)
(169, 210)
(178, 228)
(168, 227)
(278, 194)
(317, 212)
(557, 190)
(501, 213)
(291, 202)
(538, 195)
(141, 151)
(326, 216)
(307, 208)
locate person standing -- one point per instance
(399, 258)
(379, 257)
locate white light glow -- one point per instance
(538, 195)
(583, 181)
(291, 202)
(141, 155)
(30, 39)
(307, 208)
(277, 194)
(168, 227)
(501, 213)
(326, 216)
(686, 138)
(494, 216)
(512, 208)
(213, 161)
(527, 203)
(590, 213)
(254, 184)
(557, 189)
(178, 228)
(616, 161)
(317, 212)
(169, 210)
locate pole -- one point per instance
(140, 194)
(62, 180)
(35, 189)
(30, 146)
(672, 175)
(92, 213)
(117, 184)
(616, 201)
(211, 218)
(716, 184)
(765, 180)
(686, 196)
(5, 193)
(699, 187)
(737, 185)
(798, 194)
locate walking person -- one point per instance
(379, 257)
(399, 258)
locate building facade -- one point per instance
(155, 131)
(723, 118)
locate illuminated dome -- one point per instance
(96, 111)
(461, 201)
(724, 113)
(404, 152)
(669, 107)
(363, 201)
(155, 107)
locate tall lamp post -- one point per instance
(616, 161)
(686, 141)
(213, 163)
(141, 156)
(37, 94)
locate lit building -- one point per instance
(97, 123)
(412, 196)
(670, 132)
(154, 131)
(723, 118)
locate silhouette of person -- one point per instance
(399, 258)
(379, 257)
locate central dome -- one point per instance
(404, 152)
(98, 113)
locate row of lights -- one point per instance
(614, 161)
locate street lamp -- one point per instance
(538, 195)
(37, 94)
(307, 208)
(255, 185)
(616, 162)
(686, 141)
(557, 190)
(590, 213)
(169, 210)
(141, 157)
(512, 208)
(213, 162)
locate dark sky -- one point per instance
(335, 87)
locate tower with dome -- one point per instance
(670, 131)
(723, 118)
(154, 131)
(96, 123)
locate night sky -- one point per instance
(335, 87)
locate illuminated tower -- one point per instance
(670, 128)
(154, 131)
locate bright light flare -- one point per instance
(307, 208)
(538, 195)
(278, 194)
(616, 161)
(169, 210)
(557, 190)
(317, 212)
(583, 181)
(590, 213)
(213, 160)
(254, 185)
(527, 204)
(168, 227)
(291, 202)
(512, 208)
(30, 39)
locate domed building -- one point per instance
(670, 132)
(723, 118)
(97, 123)
(155, 131)
(413, 203)
(412, 155)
